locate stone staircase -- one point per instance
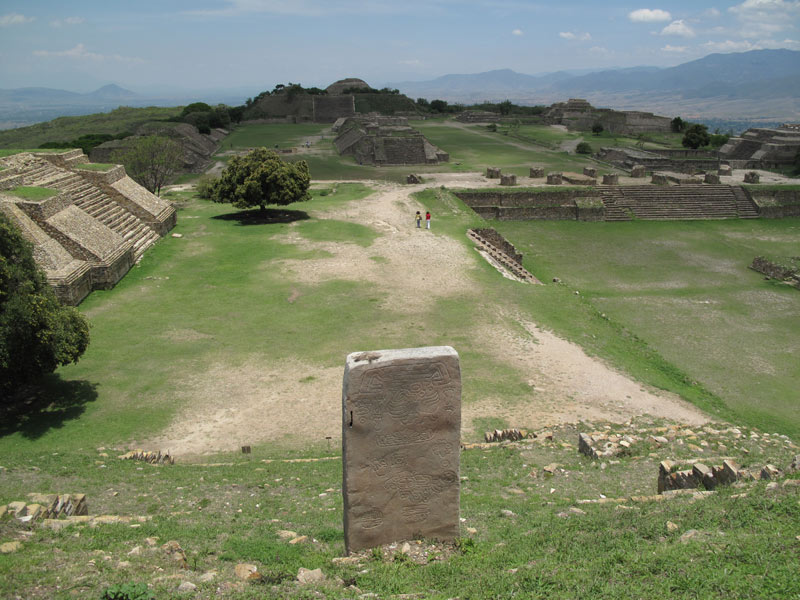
(682, 202)
(744, 203)
(93, 201)
(510, 265)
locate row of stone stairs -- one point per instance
(681, 202)
(93, 201)
(513, 267)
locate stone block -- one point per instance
(730, 472)
(412, 179)
(401, 425)
(508, 180)
(536, 172)
(659, 179)
(555, 178)
(705, 475)
(711, 178)
(590, 171)
(770, 472)
(493, 172)
(586, 445)
(638, 171)
(611, 179)
(725, 170)
(751, 177)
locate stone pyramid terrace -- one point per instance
(88, 226)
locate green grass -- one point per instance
(65, 129)
(686, 291)
(32, 193)
(231, 513)
(11, 152)
(95, 166)
(270, 135)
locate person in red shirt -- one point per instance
(428, 219)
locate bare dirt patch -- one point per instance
(294, 403)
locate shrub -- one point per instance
(128, 591)
(583, 148)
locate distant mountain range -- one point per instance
(760, 84)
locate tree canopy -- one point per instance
(37, 332)
(696, 136)
(151, 160)
(260, 178)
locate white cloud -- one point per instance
(67, 21)
(517, 32)
(678, 28)
(600, 51)
(568, 35)
(14, 19)
(675, 49)
(79, 52)
(648, 15)
(712, 12)
(409, 63)
(766, 17)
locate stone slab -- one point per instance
(401, 426)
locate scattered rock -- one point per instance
(137, 551)
(10, 547)
(691, 534)
(310, 577)
(551, 468)
(299, 539)
(175, 552)
(186, 586)
(286, 534)
(507, 513)
(671, 526)
(247, 571)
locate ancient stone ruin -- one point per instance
(508, 179)
(578, 114)
(700, 475)
(501, 254)
(377, 140)
(91, 228)
(401, 426)
(762, 148)
(536, 172)
(493, 173)
(555, 179)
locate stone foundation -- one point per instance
(554, 179)
(508, 180)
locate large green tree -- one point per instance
(151, 160)
(260, 178)
(37, 332)
(696, 136)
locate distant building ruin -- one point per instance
(759, 148)
(88, 227)
(578, 114)
(377, 140)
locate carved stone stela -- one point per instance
(401, 427)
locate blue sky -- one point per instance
(254, 44)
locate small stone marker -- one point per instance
(611, 179)
(493, 173)
(401, 427)
(536, 172)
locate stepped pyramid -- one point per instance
(94, 226)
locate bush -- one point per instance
(205, 187)
(37, 332)
(583, 148)
(128, 591)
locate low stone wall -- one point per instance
(776, 271)
(776, 204)
(501, 243)
(566, 205)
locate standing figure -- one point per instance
(428, 219)
(418, 219)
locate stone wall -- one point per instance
(776, 204)
(327, 109)
(566, 205)
(578, 114)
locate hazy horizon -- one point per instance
(245, 46)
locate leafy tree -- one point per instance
(695, 137)
(151, 160)
(597, 128)
(505, 107)
(423, 103)
(439, 106)
(583, 148)
(195, 107)
(677, 125)
(718, 140)
(37, 332)
(261, 177)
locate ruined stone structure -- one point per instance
(401, 428)
(376, 140)
(623, 203)
(501, 254)
(759, 148)
(578, 114)
(478, 116)
(94, 226)
(197, 147)
(681, 161)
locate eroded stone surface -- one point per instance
(400, 436)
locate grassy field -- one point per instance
(671, 304)
(64, 129)
(685, 288)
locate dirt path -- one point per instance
(294, 403)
